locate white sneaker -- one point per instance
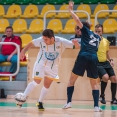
(67, 105)
(97, 109)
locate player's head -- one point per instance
(86, 24)
(9, 31)
(99, 29)
(77, 30)
(48, 36)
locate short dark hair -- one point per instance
(77, 27)
(48, 33)
(99, 25)
(86, 24)
(9, 27)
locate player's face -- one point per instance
(9, 32)
(78, 31)
(99, 31)
(48, 41)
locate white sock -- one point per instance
(43, 93)
(30, 87)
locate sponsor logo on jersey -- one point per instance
(37, 73)
(51, 55)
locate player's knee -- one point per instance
(37, 81)
(113, 79)
(105, 78)
(94, 84)
(71, 81)
(46, 85)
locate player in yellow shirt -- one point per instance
(105, 67)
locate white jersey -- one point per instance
(50, 55)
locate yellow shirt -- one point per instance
(102, 49)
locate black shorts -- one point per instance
(105, 68)
(86, 61)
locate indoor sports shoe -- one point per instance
(102, 99)
(19, 105)
(40, 106)
(67, 105)
(114, 101)
(97, 109)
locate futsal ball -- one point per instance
(20, 98)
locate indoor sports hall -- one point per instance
(28, 19)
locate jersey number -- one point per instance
(93, 40)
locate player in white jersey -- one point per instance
(46, 65)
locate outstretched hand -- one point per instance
(71, 4)
(22, 55)
(75, 42)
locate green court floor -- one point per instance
(104, 107)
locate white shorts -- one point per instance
(40, 71)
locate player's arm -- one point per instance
(26, 48)
(34, 43)
(70, 44)
(76, 44)
(109, 58)
(74, 16)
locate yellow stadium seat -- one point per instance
(14, 11)
(2, 12)
(26, 38)
(45, 9)
(92, 24)
(55, 25)
(3, 24)
(83, 7)
(9, 63)
(114, 14)
(36, 26)
(19, 26)
(63, 15)
(31, 11)
(110, 26)
(102, 14)
(69, 26)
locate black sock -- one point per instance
(95, 94)
(103, 87)
(113, 90)
(70, 91)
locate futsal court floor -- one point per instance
(53, 108)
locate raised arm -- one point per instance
(26, 48)
(74, 16)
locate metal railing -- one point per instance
(100, 12)
(62, 11)
(18, 60)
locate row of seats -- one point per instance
(26, 38)
(31, 11)
(36, 26)
(26, 2)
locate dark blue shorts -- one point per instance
(105, 68)
(86, 61)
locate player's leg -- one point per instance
(113, 80)
(95, 93)
(31, 86)
(43, 93)
(51, 74)
(92, 73)
(104, 80)
(38, 74)
(70, 90)
(78, 70)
